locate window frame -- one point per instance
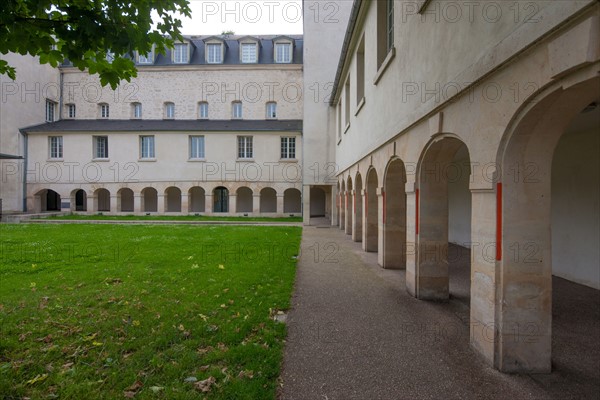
(234, 105)
(197, 152)
(287, 148)
(249, 43)
(175, 53)
(220, 52)
(104, 111)
(245, 147)
(135, 107)
(291, 51)
(147, 60)
(203, 105)
(151, 155)
(271, 115)
(95, 145)
(58, 155)
(169, 110)
(50, 110)
(71, 111)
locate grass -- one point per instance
(118, 311)
(174, 218)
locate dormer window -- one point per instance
(283, 52)
(146, 58)
(249, 53)
(271, 110)
(136, 109)
(169, 110)
(214, 53)
(181, 53)
(104, 110)
(236, 110)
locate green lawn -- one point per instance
(175, 218)
(117, 311)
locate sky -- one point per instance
(244, 17)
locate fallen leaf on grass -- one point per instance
(38, 378)
(246, 374)
(205, 385)
(132, 390)
(221, 266)
(156, 389)
(204, 368)
(23, 336)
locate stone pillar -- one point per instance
(91, 203)
(411, 250)
(306, 205)
(232, 203)
(348, 212)
(185, 204)
(256, 203)
(137, 203)
(113, 204)
(365, 211)
(357, 219)
(160, 199)
(343, 210)
(208, 202)
(280, 204)
(334, 206)
(380, 218)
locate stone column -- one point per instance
(280, 204)
(185, 205)
(113, 204)
(306, 205)
(91, 203)
(334, 206)
(256, 203)
(365, 211)
(208, 202)
(137, 203)
(343, 210)
(357, 219)
(161, 198)
(411, 235)
(380, 221)
(348, 212)
(232, 203)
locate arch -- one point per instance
(125, 200)
(358, 209)
(292, 201)
(221, 200)
(102, 200)
(318, 206)
(348, 206)
(197, 199)
(268, 200)
(342, 225)
(393, 254)
(47, 200)
(244, 202)
(525, 194)
(172, 199)
(149, 200)
(370, 226)
(441, 174)
(78, 200)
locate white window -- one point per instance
(71, 110)
(50, 106)
(249, 53)
(137, 110)
(104, 111)
(245, 147)
(288, 147)
(146, 58)
(56, 146)
(180, 53)
(169, 110)
(100, 146)
(271, 110)
(203, 110)
(146, 146)
(236, 110)
(196, 147)
(283, 52)
(110, 56)
(214, 53)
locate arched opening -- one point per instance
(221, 200)
(370, 226)
(80, 197)
(317, 202)
(357, 235)
(49, 200)
(393, 254)
(197, 201)
(125, 200)
(348, 205)
(292, 201)
(172, 199)
(444, 223)
(549, 198)
(244, 200)
(268, 200)
(102, 200)
(343, 206)
(149, 200)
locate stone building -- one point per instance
(471, 130)
(212, 126)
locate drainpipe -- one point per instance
(60, 96)
(25, 158)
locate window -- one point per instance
(71, 110)
(100, 146)
(110, 56)
(196, 147)
(169, 110)
(385, 29)
(180, 53)
(56, 146)
(104, 111)
(50, 106)
(288, 147)
(146, 146)
(203, 110)
(146, 58)
(339, 120)
(347, 103)
(245, 147)
(137, 110)
(283, 52)
(360, 71)
(249, 53)
(236, 110)
(271, 110)
(214, 53)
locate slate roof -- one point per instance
(156, 125)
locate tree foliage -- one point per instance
(98, 35)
